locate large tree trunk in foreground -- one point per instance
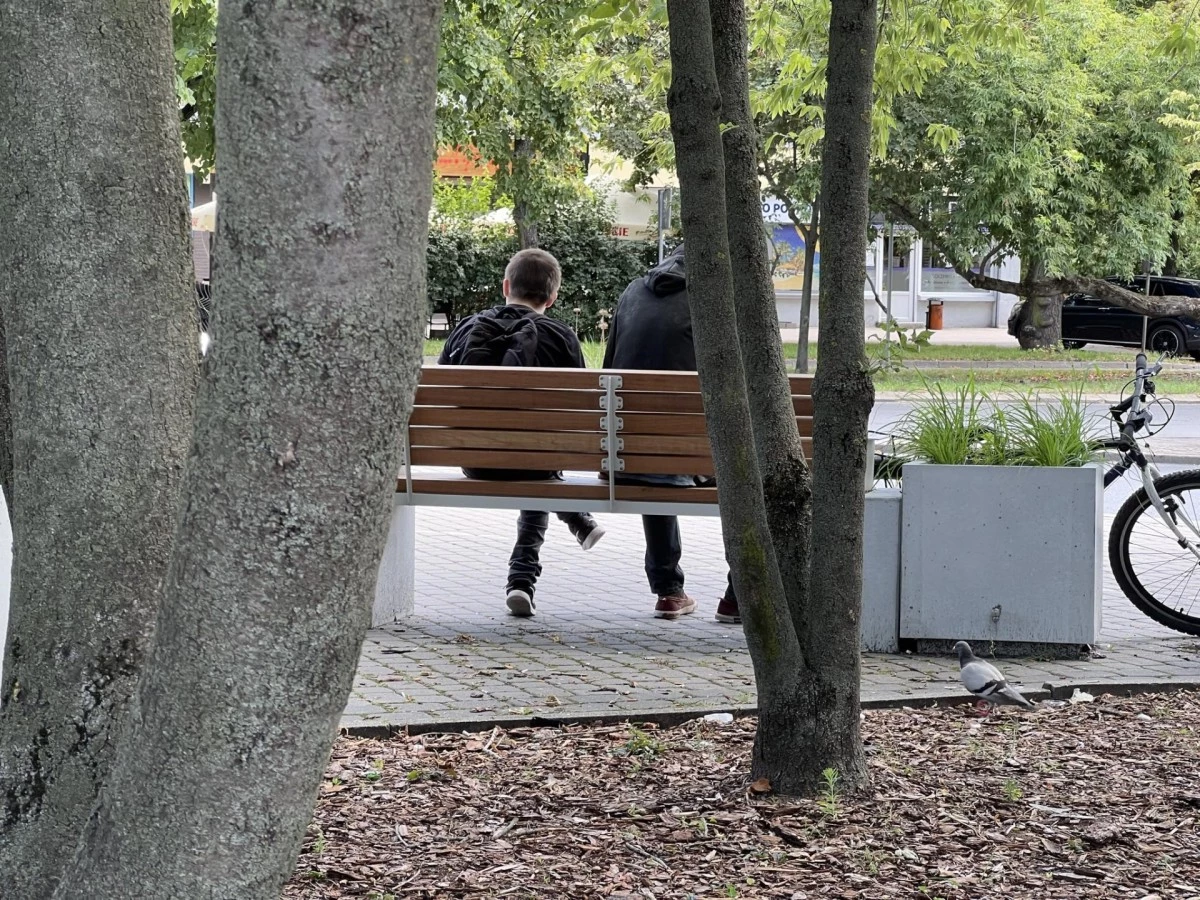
(786, 485)
(1041, 318)
(96, 289)
(842, 399)
(694, 103)
(292, 470)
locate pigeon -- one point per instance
(984, 680)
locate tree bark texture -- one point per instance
(527, 225)
(787, 487)
(842, 398)
(811, 236)
(694, 103)
(6, 460)
(1041, 319)
(96, 296)
(292, 470)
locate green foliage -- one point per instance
(466, 262)
(462, 200)
(1058, 146)
(194, 28)
(969, 427)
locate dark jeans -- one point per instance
(664, 548)
(523, 566)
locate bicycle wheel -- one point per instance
(1155, 572)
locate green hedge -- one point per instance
(467, 260)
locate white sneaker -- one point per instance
(520, 603)
(592, 538)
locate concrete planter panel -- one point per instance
(881, 571)
(1002, 553)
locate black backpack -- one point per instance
(500, 340)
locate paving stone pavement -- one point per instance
(594, 649)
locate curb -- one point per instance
(673, 718)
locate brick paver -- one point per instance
(595, 650)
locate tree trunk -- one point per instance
(292, 469)
(527, 226)
(1041, 319)
(96, 289)
(842, 399)
(786, 484)
(811, 236)
(694, 104)
(6, 460)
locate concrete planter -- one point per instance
(1002, 553)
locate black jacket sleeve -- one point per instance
(610, 348)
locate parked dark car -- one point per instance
(1087, 320)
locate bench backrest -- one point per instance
(564, 419)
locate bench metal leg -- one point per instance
(394, 586)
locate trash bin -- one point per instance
(933, 317)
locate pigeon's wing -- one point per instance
(1006, 693)
(978, 675)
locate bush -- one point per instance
(466, 262)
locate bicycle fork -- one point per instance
(1172, 515)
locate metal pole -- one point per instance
(664, 220)
(1146, 319)
(891, 251)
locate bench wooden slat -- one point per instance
(682, 423)
(661, 402)
(647, 464)
(534, 443)
(572, 489)
(524, 420)
(511, 377)
(506, 459)
(686, 382)
(512, 398)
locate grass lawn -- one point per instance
(1091, 381)
(593, 351)
(1097, 800)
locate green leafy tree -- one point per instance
(194, 28)
(508, 88)
(1056, 148)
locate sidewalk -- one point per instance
(594, 649)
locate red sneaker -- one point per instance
(672, 606)
(728, 612)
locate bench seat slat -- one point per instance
(535, 443)
(575, 486)
(520, 420)
(511, 399)
(660, 402)
(511, 377)
(682, 423)
(506, 459)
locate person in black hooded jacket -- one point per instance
(652, 329)
(521, 334)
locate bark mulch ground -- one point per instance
(1094, 800)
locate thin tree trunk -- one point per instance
(96, 288)
(811, 237)
(1041, 319)
(786, 484)
(694, 104)
(842, 399)
(6, 460)
(292, 470)
(527, 226)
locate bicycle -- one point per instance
(1155, 559)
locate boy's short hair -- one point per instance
(534, 276)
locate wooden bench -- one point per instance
(586, 423)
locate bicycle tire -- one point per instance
(1158, 542)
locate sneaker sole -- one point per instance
(728, 620)
(520, 604)
(592, 539)
(674, 614)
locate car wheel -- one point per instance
(1073, 345)
(1167, 340)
